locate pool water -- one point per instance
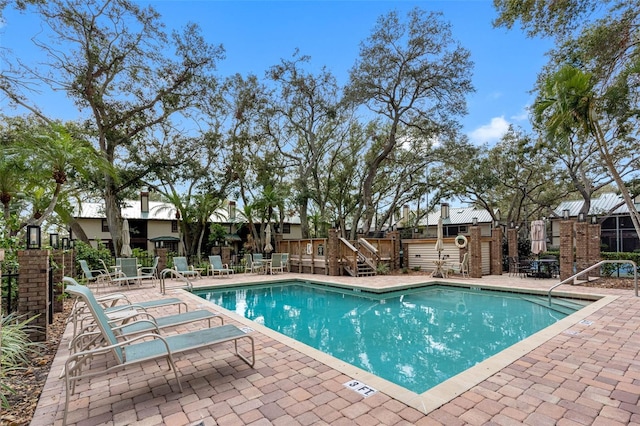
(415, 338)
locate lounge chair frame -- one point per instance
(141, 348)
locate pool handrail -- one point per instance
(594, 266)
(174, 274)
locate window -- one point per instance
(105, 225)
(174, 226)
(286, 228)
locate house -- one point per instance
(617, 231)
(455, 221)
(154, 224)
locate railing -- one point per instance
(349, 253)
(174, 274)
(11, 292)
(373, 257)
(592, 267)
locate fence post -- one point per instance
(566, 249)
(496, 251)
(475, 252)
(32, 290)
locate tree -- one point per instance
(568, 103)
(114, 63)
(58, 154)
(306, 122)
(414, 76)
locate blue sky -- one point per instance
(257, 34)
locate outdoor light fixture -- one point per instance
(580, 217)
(33, 237)
(565, 214)
(594, 219)
(512, 224)
(496, 223)
(71, 243)
(65, 243)
(53, 240)
(474, 221)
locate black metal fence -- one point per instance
(9, 291)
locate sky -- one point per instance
(258, 34)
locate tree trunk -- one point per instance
(113, 214)
(604, 150)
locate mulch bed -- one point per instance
(28, 384)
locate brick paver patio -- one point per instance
(585, 372)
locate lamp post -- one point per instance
(474, 221)
(565, 214)
(65, 243)
(54, 240)
(33, 237)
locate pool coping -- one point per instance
(446, 391)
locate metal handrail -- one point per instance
(175, 274)
(597, 265)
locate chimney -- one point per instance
(405, 214)
(144, 202)
(232, 210)
(444, 210)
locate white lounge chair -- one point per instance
(141, 348)
(217, 267)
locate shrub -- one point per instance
(382, 269)
(15, 347)
(92, 255)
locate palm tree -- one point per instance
(56, 152)
(568, 104)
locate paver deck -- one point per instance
(583, 370)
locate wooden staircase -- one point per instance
(357, 263)
(364, 269)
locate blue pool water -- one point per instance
(415, 338)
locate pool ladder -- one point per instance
(174, 274)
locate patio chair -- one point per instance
(129, 272)
(513, 265)
(150, 272)
(276, 263)
(180, 264)
(250, 265)
(285, 261)
(132, 321)
(141, 348)
(461, 267)
(217, 267)
(524, 268)
(118, 305)
(97, 276)
(258, 261)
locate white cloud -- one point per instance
(490, 132)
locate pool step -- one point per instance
(562, 305)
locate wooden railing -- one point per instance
(348, 255)
(368, 253)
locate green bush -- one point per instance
(611, 269)
(15, 347)
(382, 269)
(92, 255)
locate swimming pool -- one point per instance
(415, 338)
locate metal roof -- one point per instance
(599, 206)
(457, 216)
(157, 211)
